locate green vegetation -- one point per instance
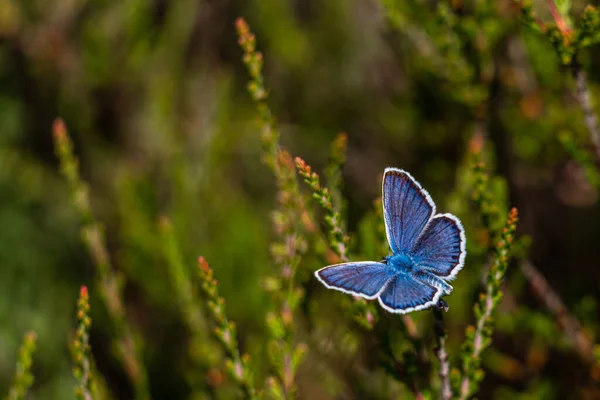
(141, 142)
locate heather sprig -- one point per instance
(109, 283)
(23, 377)
(365, 314)
(479, 337)
(276, 158)
(569, 39)
(333, 171)
(485, 202)
(238, 366)
(82, 369)
(253, 60)
(440, 44)
(584, 97)
(589, 34)
(284, 355)
(201, 350)
(179, 275)
(487, 207)
(582, 157)
(337, 238)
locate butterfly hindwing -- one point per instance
(407, 208)
(441, 248)
(404, 294)
(365, 279)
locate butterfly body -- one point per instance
(400, 263)
(428, 250)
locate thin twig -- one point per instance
(582, 91)
(127, 338)
(561, 24)
(238, 365)
(402, 370)
(287, 222)
(584, 98)
(528, 16)
(411, 327)
(82, 351)
(338, 239)
(479, 336)
(24, 377)
(552, 301)
(442, 354)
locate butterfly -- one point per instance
(428, 250)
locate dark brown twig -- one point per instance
(442, 354)
(567, 321)
(582, 92)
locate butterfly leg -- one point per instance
(442, 305)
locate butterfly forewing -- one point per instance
(365, 279)
(404, 294)
(441, 248)
(407, 208)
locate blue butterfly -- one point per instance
(428, 250)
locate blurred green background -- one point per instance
(154, 94)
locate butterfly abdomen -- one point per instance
(433, 280)
(407, 265)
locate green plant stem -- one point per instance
(23, 377)
(333, 172)
(561, 24)
(82, 369)
(288, 220)
(479, 337)
(237, 365)
(442, 354)
(109, 283)
(483, 197)
(202, 348)
(582, 92)
(338, 239)
(582, 156)
(568, 42)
